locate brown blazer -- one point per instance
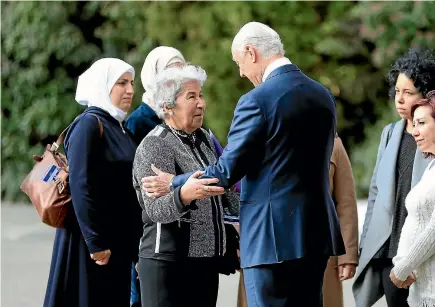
(343, 191)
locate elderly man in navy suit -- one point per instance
(280, 142)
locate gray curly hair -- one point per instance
(170, 83)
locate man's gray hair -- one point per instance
(170, 83)
(261, 37)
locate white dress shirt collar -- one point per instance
(274, 65)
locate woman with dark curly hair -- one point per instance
(399, 167)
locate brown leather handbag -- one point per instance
(47, 184)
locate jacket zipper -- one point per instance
(122, 128)
(216, 205)
(201, 163)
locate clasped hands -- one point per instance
(402, 284)
(194, 188)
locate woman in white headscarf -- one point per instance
(92, 256)
(144, 118)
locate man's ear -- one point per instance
(252, 53)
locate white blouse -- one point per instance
(416, 252)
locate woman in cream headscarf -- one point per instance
(144, 118)
(92, 256)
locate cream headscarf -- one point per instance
(157, 60)
(95, 84)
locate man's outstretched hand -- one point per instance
(158, 185)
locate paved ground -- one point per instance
(26, 252)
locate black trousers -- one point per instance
(187, 283)
(396, 297)
(287, 284)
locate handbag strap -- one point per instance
(55, 146)
(390, 132)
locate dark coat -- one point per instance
(141, 122)
(104, 215)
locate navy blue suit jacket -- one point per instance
(280, 142)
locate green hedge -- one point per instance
(347, 46)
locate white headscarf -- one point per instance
(157, 60)
(95, 84)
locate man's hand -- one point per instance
(402, 284)
(195, 188)
(102, 257)
(156, 186)
(346, 271)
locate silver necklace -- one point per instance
(191, 137)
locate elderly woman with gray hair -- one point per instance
(184, 237)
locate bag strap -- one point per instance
(390, 132)
(55, 146)
(100, 124)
